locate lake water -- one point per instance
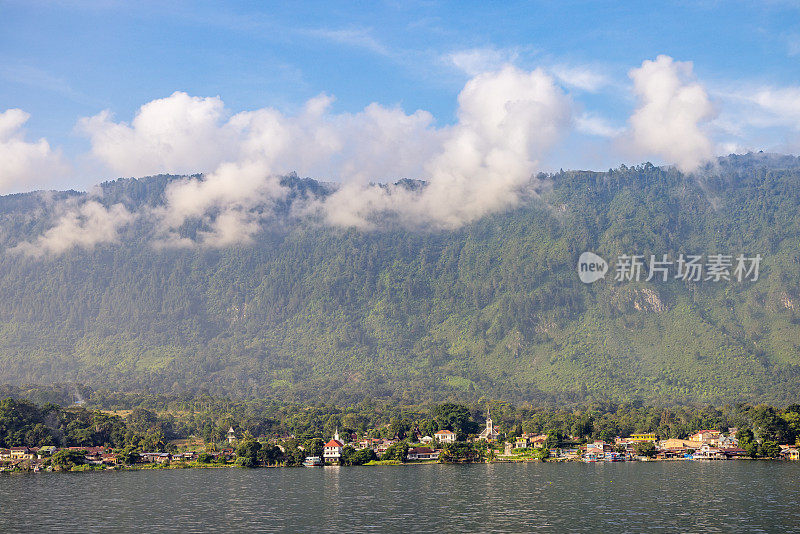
(733, 496)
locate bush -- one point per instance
(67, 459)
(396, 452)
(645, 448)
(460, 453)
(351, 456)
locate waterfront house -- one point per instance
(709, 437)
(46, 451)
(21, 453)
(94, 455)
(666, 453)
(674, 443)
(154, 457)
(445, 436)
(538, 442)
(530, 440)
(231, 436)
(333, 449)
(790, 452)
(383, 445)
(187, 456)
(5, 454)
(733, 452)
(709, 452)
(599, 448)
(422, 453)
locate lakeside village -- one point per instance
(442, 447)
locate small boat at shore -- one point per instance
(313, 461)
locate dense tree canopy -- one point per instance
(25, 423)
(493, 309)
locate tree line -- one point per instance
(155, 426)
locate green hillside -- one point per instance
(494, 309)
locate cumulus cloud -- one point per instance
(507, 120)
(243, 154)
(81, 225)
(180, 134)
(183, 134)
(672, 112)
(25, 164)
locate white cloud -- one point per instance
(245, 152)
(672, 112)
(581, 77)
(475, 61)
(183, 134)
(25, 164)
(596, 125)
(507, 120)
(759, 117)
(180, 134)
(84, 226)
(781, 104)
(248, 150)
(356, 37)
(230, 202)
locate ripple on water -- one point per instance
(634, 497)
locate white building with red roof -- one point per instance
(333, 449)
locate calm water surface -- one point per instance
(738, 496)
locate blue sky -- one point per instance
(64, 61)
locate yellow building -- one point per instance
(644, 437)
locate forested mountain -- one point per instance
(493, 309)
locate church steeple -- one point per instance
(488, 433)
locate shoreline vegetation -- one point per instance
(156, 433)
